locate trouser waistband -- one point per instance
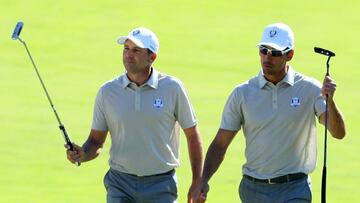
(281, 179)
(154, 175)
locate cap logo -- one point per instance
(136, 32)
(272, 33)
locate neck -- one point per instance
(275, 78)
(139, 78)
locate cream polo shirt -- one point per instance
(279, 123)
(143, 122)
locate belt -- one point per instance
(154, 175)
(281, 179)
(161, 174)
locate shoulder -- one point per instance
(112, 84)
(242, 90)
(166, 80)
(307, 81)
(307, 84)
(247, 85)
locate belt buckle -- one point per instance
(270, 182)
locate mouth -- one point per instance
(267, 65)
(129, 61)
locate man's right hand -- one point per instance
(75, 155)
(203, 192)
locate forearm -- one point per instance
(336, 122)
(196, 157)
(214, 158)
(216, 152)
(91, 149)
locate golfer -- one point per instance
(277, 111)
(143, 110)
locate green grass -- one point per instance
(209, 45)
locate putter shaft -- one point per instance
(61, 126)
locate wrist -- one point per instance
(204, 180)
(196, 180)
(331, 102)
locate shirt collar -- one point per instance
(289, 78)
(262, 80)
(153, 81)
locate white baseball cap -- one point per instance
(142, 37)
(278, 36)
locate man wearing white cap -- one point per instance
(277, 111)
(143, 110)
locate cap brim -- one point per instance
(123, 39)
(275, 46)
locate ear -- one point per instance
(290, 55)
(153, 56)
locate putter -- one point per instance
(323, 181)
(16, 36)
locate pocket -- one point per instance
(105, 180)
(242, 187)
(308, 181)
(174, 185)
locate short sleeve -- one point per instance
(232, 116)
(320, 105)
(184, 111)
(99, 119)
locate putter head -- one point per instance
(324, 51)
(17, 30)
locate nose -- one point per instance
(266, 58)
(127, 54)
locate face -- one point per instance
(274, 63)
(136, 59)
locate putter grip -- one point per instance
(323, 186)
(17, 30)
(67, 140)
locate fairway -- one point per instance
(209, 45)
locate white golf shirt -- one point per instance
(279, 123)
(143, 122)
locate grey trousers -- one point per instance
(297, 191)
(126, 188)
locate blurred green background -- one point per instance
(209, 45)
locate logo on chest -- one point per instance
(295, 102)
(158, 103)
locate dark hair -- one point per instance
(149, 51)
